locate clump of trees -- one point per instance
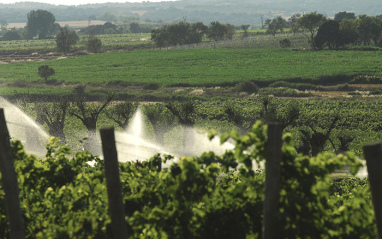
(189, 33)
(65, 39)
(93, 44)
(11, 35)
(40, 23)
(364, 30)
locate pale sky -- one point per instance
(77, 2)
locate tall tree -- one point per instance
(41, 23)
(122, 113)
(311, 22)
(344, 15)
(161, 119)
(275, 25)
(329, 34)
(65, 39)
(88, 114)
(186, 114)
(293, 22)
(54, 115)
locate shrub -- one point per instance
(375, 92)
(93, 44)
(366, 79)
(246, 86)
(11, 35)
(285, 43)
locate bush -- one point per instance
(11, 35)
(246, 86)
(366, 79)
(93, 44)
(285, 43)
(375, 92)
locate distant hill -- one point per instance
(226, 11)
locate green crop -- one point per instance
(199, 66)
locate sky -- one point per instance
(77, 2)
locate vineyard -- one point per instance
(196, 197)
(48, 45)
(194, 138)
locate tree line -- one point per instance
(189, 33)
(345, 29)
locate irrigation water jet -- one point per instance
(22, 127)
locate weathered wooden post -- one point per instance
(373, 156)
(113, 183)
(9, 182)
(271, 222)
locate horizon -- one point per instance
(78, 3)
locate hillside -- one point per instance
(227, 11)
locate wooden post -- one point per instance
(9, 182)
(114, 187)
(271, 223)
(373, 156)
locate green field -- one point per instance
(199, 66)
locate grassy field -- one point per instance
(198, 66)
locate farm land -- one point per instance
(329, 96)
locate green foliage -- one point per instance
(209, 66)
(217, 31)
(246, 86)
(366, 79)
(11, 35)
(210, 196)
(344, 15)
(285, 43)
(65, 39)
(179, 34)
(311, 22)
(93, 44)
(41, 23)
(45, 71)
(275, 25)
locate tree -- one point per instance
(122, 113)
(277, 24)
(348, 28)
(217, 31)
(41, 23)
(311, 22)
(3, 24)
(134, 27)
(344, 15)
(293, 22)
(161, 119)
(93, 44)
(11, 35)
(88, 114)
(328, 34)
(65, 39)
(186, 114)
(245, 29)
(369, 28)
(45, 71)
(159, 36)
(179, 34)
(54, 116)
